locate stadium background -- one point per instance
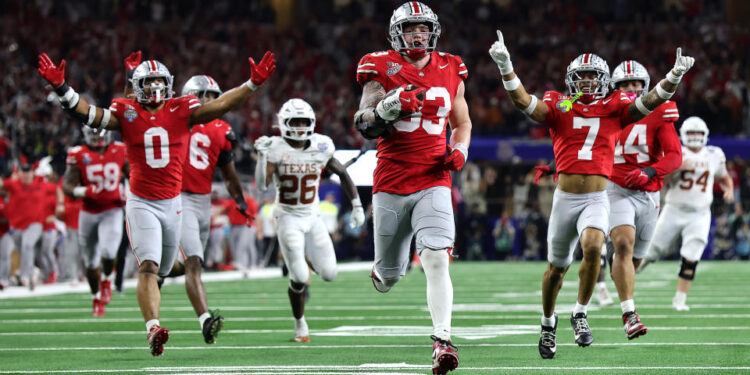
(318, 43)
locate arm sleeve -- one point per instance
(670, 144)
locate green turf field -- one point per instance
(356, 330)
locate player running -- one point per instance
(645, 152)
(687, 208)
(584, 127)
(295, 160)
(156, 131)
(94, 172)
(408, 95)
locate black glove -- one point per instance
(232, 138)
(242, 208)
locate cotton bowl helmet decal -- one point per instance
(153, 94)
(296, 109)
(631, 70)
(694, 124)
(588, 62)
(408, 13)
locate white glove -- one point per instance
(500, 55)
(682, 63)
(262, 144)
(358, 214)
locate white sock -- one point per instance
(439, 290)
(300, 326)
(203, 318)
(151, 323)
(97, 295)
(548, 322)
(601, 285)
(680, 296)
(580, 308)
(627, 306)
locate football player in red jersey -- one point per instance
(645, 152)
(156, 130)
(411, 188)
(94, 172)
(6, 245)
(584, 129)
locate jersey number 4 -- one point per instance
(687, 180)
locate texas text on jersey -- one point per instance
(156, 143)
(411, 158)
(298, 173)
(584, 135)
(104, 171)
(645, 143)
(207, 141)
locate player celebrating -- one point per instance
(584, 129)
(156, 130)
(645, 152)
(687, 209)
(296, 160)
(94, 174)
(411, 188)
(210, 146)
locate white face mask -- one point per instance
(157, 90)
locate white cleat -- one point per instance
(679, 304)
(301, 331)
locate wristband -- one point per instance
(664, 94)
(649, 171)
(92, 115)
(505, 68)
(674, 78)
(251, 85)
(356, 202)
(512, 84)
(641, 107)
(105, 119)
(79, 191)
(532, 106)
(463, 149)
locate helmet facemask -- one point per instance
(94, 138)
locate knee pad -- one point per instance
(687, 269)
(434, 259)
(297, 288)
(328, 274)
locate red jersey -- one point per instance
(50, 202)
(411, 158)
(206, 143)
(584, 135)
(156, 143)
(25, 202)
(649, 142)
(104, 171)
(72, 211)
(236, 218)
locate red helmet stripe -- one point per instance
(586, 58)
(416, 7)
(629, 67)
(152, 63)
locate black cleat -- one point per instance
(212, 326)
(547, 345)
(581, 329)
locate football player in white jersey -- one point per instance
(687, 209)
(295, 160)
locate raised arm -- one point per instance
(72, 103)
(528, 104)
(232, 98)
(131, 62)
(662, 91)
(358, 213)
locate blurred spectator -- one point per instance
(742, 242)
(503, 235)
(329, 213)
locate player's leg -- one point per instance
(292, 241)
(47, 256)
(319, 250)
(235, 246)
(109, 233)
(668, 227)
(29, 239)
(252, 247)
(88, 238)
(69, 257)
(694, 240)
(6, 247)
(392, 234)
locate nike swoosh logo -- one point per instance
(606, 101)
(443, 66)
(406, 100)
(173, 109)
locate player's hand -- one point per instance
(400, 102)
(682, 63)
(455, 157)
(51, 73)
(358, 214)
(501, 56)
(133, 60)
(242, 209)
(232, 138)
(728, 196)
(262, 144)
(259, 73)
(638, 178)
(541, 171)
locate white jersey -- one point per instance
(692, 187)
(297, 176)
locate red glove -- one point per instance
(637, 179)
(454, 159)
(55, 75)
(541, 171)
(260, 73)
(133, 60)
(400, 102)
(411, 98)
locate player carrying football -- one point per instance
(584, 129)
(295, 160)
(408, 95)
(156, 130)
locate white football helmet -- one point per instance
(690, 125)
(413, 12)
(96, 138)
(588, 62)
(201, 85)
(631, 70)
(296, 109)
(153, 93)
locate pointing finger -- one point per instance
(500, 37)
